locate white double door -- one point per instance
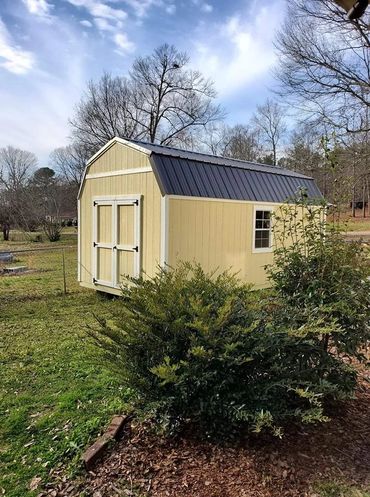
(116, 240)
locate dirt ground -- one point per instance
(143, 464)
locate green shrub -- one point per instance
(200, 348)
(316, 270)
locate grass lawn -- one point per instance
(349, 223)
(54, 394)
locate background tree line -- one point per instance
(317, 123)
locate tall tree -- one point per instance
(325, 63)
(71, 161)
(240, 141)
(161, 101)
(16, 166)
(243, 142)
(269, 120)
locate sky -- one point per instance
(50, 49)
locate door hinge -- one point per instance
(95, 203)
(94, 244)
(136, 248)
(136, 202)
(94, 281)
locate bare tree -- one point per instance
(240, 141)
(71, 161)
(169, 97)
(15, 168)
(243, 143)
(104, 113)
(269, 120)
(325, 63)
(160, 101)
(45, 194)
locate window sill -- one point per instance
(262, 250)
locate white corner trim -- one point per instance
(120, 172)
(266, 250)
(79, 240)
(164, 230)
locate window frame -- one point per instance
(266, 208)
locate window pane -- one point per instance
(262, 239)
(265, 242)
(262, 229)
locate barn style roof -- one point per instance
(186, 173)
(192, 174)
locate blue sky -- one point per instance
(49, 49)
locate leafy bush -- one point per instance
(317, 271)
(202, 348)
(52, 229)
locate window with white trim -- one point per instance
(262, 229)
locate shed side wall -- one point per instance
(218, 235)
(116, 158)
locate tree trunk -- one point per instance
(363, 201)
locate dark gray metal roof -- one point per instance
(181, 172)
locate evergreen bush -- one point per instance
(206, 349)
(319, 272)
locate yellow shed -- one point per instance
(142, 205)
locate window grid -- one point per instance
(262, 229)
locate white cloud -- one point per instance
(142, 7)
(104, 25)
(12, 57)
(38, 7)
(99, 9)
(34, 114)
(123, 43)
(206, 7)
(170, 9)
(86, 23)
(203, 6)
(239, 51)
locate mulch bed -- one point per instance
(144, 464)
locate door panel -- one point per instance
(104, 264)
(126, 225)
(104, 224)
(125, 265)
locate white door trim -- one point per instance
(114, 202)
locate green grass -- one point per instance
(55, 396)
(335, 489)
(348, 223)
(37, 239)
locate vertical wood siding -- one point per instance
(218, 235)
(116, 158)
